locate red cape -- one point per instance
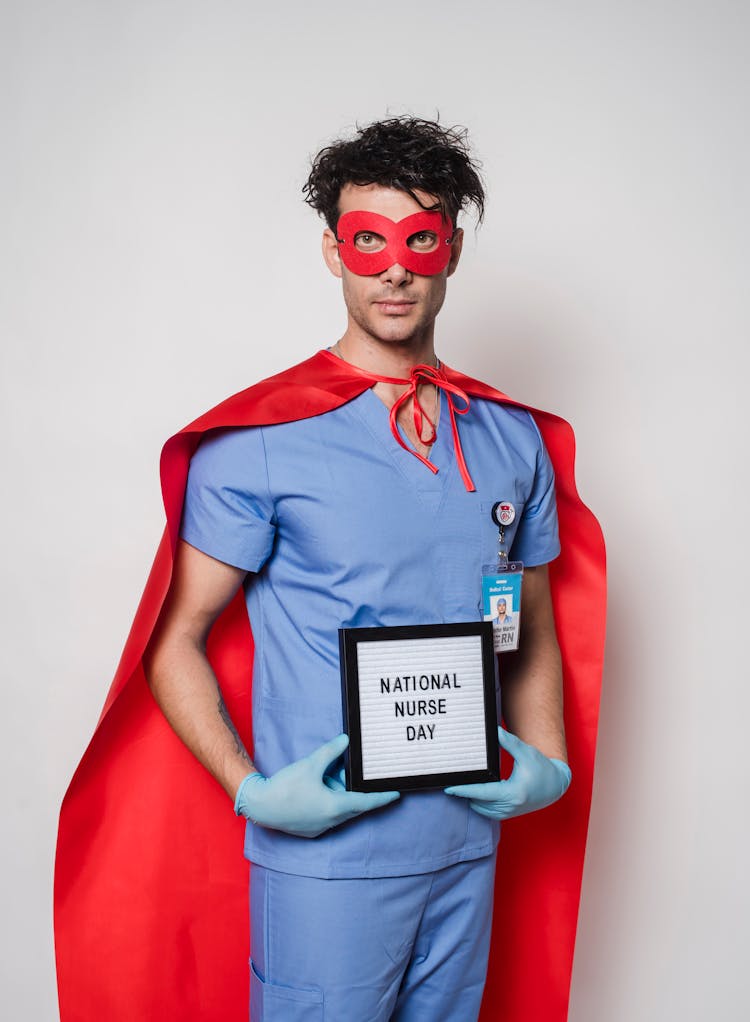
(150, 882)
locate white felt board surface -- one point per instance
(421, 706)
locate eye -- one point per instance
(366, 241)
(423, 241)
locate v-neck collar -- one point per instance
(428, 484)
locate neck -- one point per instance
(396, 360)
(386, 358)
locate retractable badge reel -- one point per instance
(501, 585)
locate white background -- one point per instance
(156, 256)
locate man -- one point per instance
(307, 516)
(351, 496)
(501, 613)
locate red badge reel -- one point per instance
(390, 242)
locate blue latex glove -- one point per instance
(302, 798)
(535, 782)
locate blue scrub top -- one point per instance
(341, 527)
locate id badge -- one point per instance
(501, 586)
(501, 603)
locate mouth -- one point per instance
(393, 307)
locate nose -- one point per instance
(396, 275)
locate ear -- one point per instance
(456, 245)
(331, 252)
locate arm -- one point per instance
(300, 798)
(532, 700)
(179, 674)
(531, 679)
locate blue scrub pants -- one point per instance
(406, 949)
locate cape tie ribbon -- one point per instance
(429, 374)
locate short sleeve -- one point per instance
(228, 511)
(537, 541)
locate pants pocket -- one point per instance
(272, 1003)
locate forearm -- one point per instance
(185, 687)
(531, 679)
(532, 697)
(531, 684)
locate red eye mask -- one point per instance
(396, 235)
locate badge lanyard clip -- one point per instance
(501, 585)
(502, 553)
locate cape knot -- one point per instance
(423, 373)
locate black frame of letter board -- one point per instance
(349, 638)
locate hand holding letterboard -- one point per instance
(302, 799)
(535, 782)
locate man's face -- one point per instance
(396, 304)
(500, 607)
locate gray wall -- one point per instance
(156, 256)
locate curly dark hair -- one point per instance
(407, 153)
